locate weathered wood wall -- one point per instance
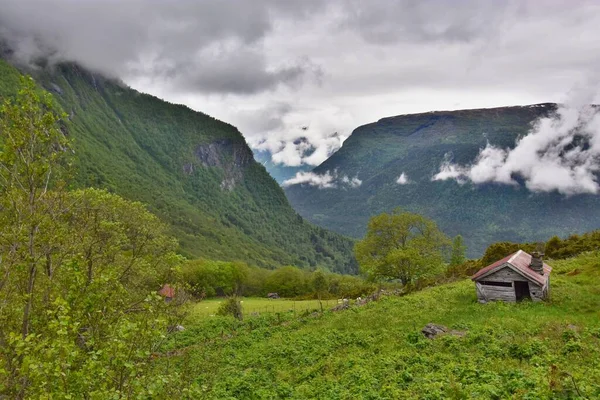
(505, 274)
(537, 292)
(487, 293)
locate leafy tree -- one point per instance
(402, 246)
(287, 281)
(553, 246)
(33, 149)
(457, 255)
(498, 251)
(208, 278)
(79, 271)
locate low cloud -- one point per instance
(190, 46)
(560, 153)
(402, 179)
(352, 182)
(304, 149)
(325, 181)
(328, 180)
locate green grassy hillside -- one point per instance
(416, 145)
(521, 351)
(193, 171)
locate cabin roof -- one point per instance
(520, 262)
(167, 291)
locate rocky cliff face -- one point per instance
(225, 152)
(232, 157)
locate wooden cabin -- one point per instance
(516, 277)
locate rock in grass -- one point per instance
(432, 330)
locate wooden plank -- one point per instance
(505, 274)
(498, 293)
(480, 295)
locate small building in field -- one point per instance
(167, 292)
(516, 277)
(273, 295)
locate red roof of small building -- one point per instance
(167, 291)
(520, 261)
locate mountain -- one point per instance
(195, 172)
(378, 154)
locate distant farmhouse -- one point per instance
(516, 277)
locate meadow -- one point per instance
(254, 306)
(509, 351)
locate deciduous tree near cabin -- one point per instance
(401, 246)
(457, 256)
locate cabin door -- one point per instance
(522, 290)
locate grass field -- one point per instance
(526, 350)
(257, 305)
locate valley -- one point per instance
(415, 147)
(194, 204)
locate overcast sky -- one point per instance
(272, 67)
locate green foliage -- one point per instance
(457, 255)
(196, 173)
(401, 246)
(210, 278)
(288, 282)
(498, 251)
(319, 283)
(557, 248)
(78, 272)
(231, 308)
(205, 278)
(467, 268)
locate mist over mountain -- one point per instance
(467, 170)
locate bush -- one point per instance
(231, 307)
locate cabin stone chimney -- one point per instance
(537, 264)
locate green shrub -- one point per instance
(231, 307)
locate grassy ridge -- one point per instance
(195, 172)
(522, 351)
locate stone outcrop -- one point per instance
(431, 331)
(232, 157)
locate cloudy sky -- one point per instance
(282, 69)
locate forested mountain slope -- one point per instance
(193, 171)
(416, 145)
